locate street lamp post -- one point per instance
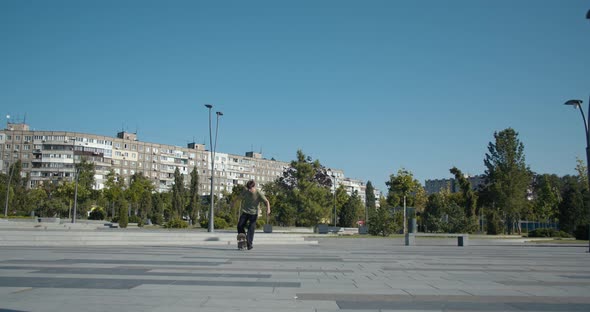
(335, 188)
(76, 177)
(9, 175)
(213, 147)
(578, 104)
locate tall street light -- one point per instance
(578, 104)
(8, 173)
(212, 146)
(76, 175)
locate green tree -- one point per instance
(306, 186)
(85, 181)
(370, 200)
(35, 200)
(178, 194)
(508, 176)
(139, 194)
(15, 190)
(339, 200)
(122, 206)
(547, 197)
(350, 210)
(402, 187)
(582, 173)
(158, 208)
(571, 208)
(194, 198)
(469, 199)
(283, 211)
(433, 214)
(384, 222)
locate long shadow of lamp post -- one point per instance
(212, 147)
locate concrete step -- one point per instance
(54, 237)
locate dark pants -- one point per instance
(251, 220)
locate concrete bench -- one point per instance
(49, 220)
(462, 239)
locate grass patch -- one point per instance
(561, 241)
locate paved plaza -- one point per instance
(336, 274)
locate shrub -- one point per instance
(136, 219)
(123, 218)
(157, 218)
(260, 223)
(97, 214)
(383, 223)
(220, 223)
(176, 223)
(548, 233)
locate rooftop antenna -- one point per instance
(25, 120)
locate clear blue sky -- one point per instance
(365, 86)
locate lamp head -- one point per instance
(219, 113)
(574, 103)
(209, 106)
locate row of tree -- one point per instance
(511, 193)
(305, 195)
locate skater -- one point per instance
(251, 198)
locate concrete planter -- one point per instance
(267, 228)
(363, 229)
(322, 229)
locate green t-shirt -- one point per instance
(251, 200)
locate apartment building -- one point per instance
(437, 185)
(50, 157)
